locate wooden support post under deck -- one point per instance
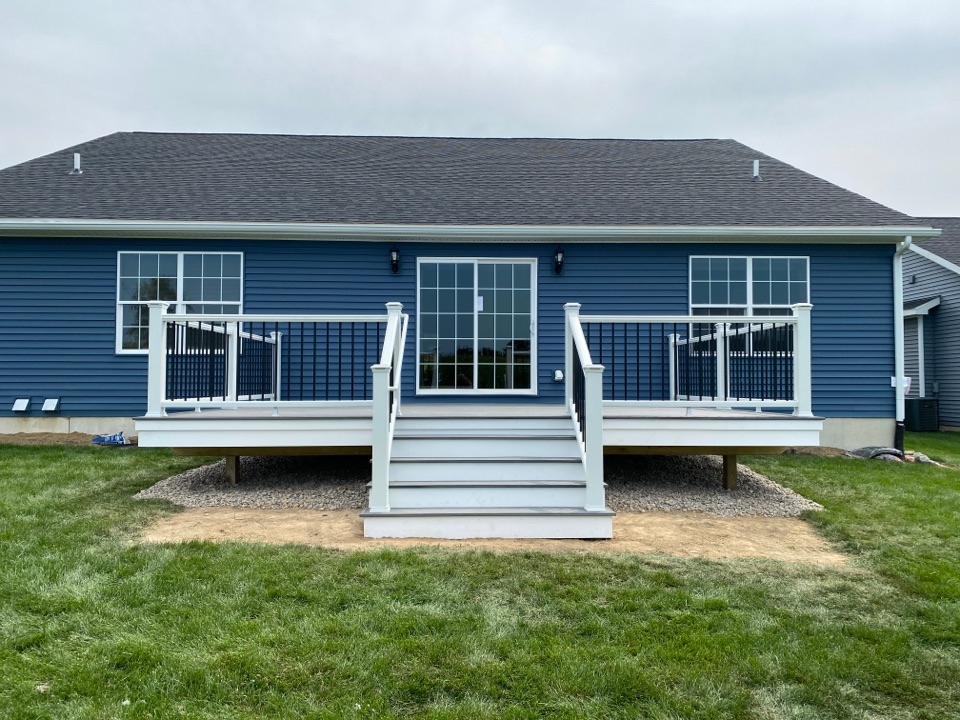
(233, 469)
(729, 472)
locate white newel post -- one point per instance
(379, 495)
(721, 329)
(593, 391)
(673, 366)
(803, 360)
(233, 356)
(571, 311)
(156, 359)
(277, 338)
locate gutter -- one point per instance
(898, 350)
(60, 227)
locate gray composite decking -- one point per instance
(461, 410)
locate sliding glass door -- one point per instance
(476, 326)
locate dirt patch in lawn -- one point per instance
(36, 438)
(684, 534)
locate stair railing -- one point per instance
(386, 405)
(584, 398)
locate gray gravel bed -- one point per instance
(644, 483)
(318, 483)
(634, 484)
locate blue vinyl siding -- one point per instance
(58, 308)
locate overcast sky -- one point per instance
(864, 94)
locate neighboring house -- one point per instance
(312, 283)
(931, 330)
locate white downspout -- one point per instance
(898, 337)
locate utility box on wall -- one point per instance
(922, 415)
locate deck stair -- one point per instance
(459, 477)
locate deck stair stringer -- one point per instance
(492, 477)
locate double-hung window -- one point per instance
(748, 286)
(191, 282)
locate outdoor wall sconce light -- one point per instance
(558, 260)
(395, 259)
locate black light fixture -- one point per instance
(558, 259)
(395, 259)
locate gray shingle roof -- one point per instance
(947, 245)
(333, 179)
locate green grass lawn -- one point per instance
(94, 626)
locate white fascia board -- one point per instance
(935, 259)
(922, 309)
(60, 227)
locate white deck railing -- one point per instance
(760, 362)
(214, 361)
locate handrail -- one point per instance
(386, 404)
(751, 327)
(683, 319)
(398, 357)
(584, 392)
(580, 342)
(222, 329)
(267, 317)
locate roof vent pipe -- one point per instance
(756, 171)
(76, 165)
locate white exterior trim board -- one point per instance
(59, 227)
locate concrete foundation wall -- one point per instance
(88, 425)
(851, 433)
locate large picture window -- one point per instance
(190, 282)
(748, 285)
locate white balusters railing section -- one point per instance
(208, 361)
(762, 362)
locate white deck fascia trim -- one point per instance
(922, 309)
(492, 233)
(262, 432)
(705, 432)
(653, 430)
(934, 258)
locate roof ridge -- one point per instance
(417, 137)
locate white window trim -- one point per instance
(532, 390)
(178, 304)
(749, 307)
